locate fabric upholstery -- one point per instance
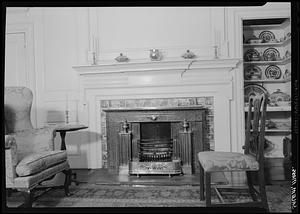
(30, 157)
(34, 141)
(11, 159)
(227, 161)
(33, 180)
(17, 106)
(37, 162)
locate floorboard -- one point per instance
(103, 176)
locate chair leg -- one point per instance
(28, 197)
(207, 188)
(201, 183)
(8, 192)
(68, 174)
(262, 189)
(250, 185)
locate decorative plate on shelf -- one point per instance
(266, 36)
(279, 98)
(271, 54)
(273, 72)
(252, 73)
(251, 55)
(254, 89)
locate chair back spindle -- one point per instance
(255, 126)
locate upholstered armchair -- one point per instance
(30, 157)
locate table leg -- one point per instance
(63, 147)
(63, 143)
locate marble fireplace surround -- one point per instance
(145, 79)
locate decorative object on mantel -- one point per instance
(252, 55)
(279, 98)
(188, 55)
(252, 73)
(122, 58)
(271, 54)
(216, 47)
(155, 54)
(267, 36)
(273, 72)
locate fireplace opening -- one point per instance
(156, 144)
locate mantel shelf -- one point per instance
(147, 65)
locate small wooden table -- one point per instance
(62, 129)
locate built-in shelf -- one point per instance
(266, 26)
(268, 44)
(279, 62)
(274, 156)
(277, 130)
(268, 81)
(274, 108)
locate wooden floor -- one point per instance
(102, 176)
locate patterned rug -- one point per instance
(93, 195)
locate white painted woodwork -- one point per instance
(59, 38)
(165, 79)
(15, 63)
(19, 60)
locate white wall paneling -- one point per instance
(26, 73)
(133, 31)
(60, 38)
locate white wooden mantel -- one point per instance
(174, 78)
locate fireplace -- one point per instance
(156, 144)
(166, 83)
(155, 141)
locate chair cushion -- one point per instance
(38, 162)
(227, 161)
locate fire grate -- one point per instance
(152, 150)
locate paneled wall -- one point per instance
(63, 37)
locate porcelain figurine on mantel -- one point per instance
(189, 55)
(122, 58)
(155, 54)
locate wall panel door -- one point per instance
(15, 63)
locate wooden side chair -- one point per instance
(251, 161)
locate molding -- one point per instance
(28, 30)
(146, 65)
(13, 10)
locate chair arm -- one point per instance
(11, 160)
(35, 140)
